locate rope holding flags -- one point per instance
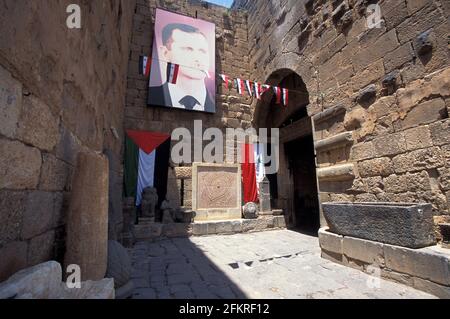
(254, 89)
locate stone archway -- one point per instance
(294, 188)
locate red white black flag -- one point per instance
(239, 86)
(144, 65)
(172, 72)
(226, 80)
(277, 92)
(248, 86)
(257, 90)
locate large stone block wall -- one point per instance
(380, 101)
(232, 110)
(61, 91)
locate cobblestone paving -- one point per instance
(273, 264)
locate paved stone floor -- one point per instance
(273, 264)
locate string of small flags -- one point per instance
(253, 89)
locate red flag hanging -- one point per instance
(249, 174)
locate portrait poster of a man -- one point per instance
(183, 63)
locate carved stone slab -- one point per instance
(216, 191)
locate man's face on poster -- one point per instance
(190, 50)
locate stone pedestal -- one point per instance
(87, 220)
(264, 196)
(216, 191)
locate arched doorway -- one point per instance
(294, 187)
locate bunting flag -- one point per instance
(265, 88)
(257, 90)
(277, 92)
(144, 65)
(226, 80)
(248, 168)
(285, 97)
(248, 86)
(239, 86)
(172, 72)
(146, 163)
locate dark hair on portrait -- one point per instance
(168, 30)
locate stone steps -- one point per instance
(153, 231)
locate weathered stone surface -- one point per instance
(88, 218)
(336, 173)
(330, 242)
(12, 205)
(10, 103)
(40, 282)
(250, 211)
(14, 258)
(419, 137)
(376, 167)
(55, 174)
(102, 289)
(418, 160)
(390, 144)
(17, 173)
(367, 251)
(216, 191)
(42, 210)
(408, 225)
(363, 151)
(119, 264)
(440, 132)
(425, 113)
(41, 248)
(38, 126)
(423, 263)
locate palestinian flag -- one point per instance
(146, 163)
(264, 88)
(172, 72)
(144, 65)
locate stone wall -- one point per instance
(61, 91)
(379, 98)
(232, 110)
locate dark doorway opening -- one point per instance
(302, 170)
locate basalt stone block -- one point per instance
(402, 224)
(424, 43)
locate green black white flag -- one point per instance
(146, 163)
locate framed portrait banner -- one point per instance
(183, 63)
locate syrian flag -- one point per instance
(144, 65)
(264, 88)
(277, 92)
(248, 86)
(240, 86)
(285, 97)
(146, 163)
(172, 72)
(226, 80)
(257, 90)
